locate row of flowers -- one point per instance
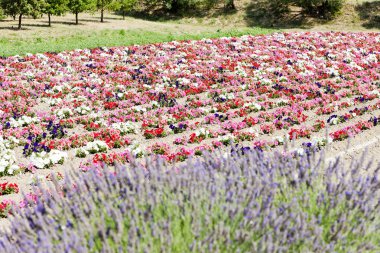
(190, 95)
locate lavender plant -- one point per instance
(244, 202)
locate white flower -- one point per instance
(7, 158)
(139, 108)
(230, 96)
(266, 81)
(334, 121)
(282, 102)
(13, 168)
(125, 127)
(280, 139)
(252, 130)
(155, 104)
(56, 156)
(372, 58)
(202, 131)
(83, 110)
(254, 106)
(375, 92)
(96, 146)
(23, 121)
(320, 141)
(136, 150)
(54, 101)
(332, 72)
(224, 138)
(45, 160)
(63, 113)
(207, 41)
(184, 81)
(300, 151)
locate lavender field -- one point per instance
(243, 201)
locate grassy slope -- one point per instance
(36, 36)
(110, 38)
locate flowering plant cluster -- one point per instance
(178, 99)
(251, 202)
(8, 188)
(8, 164)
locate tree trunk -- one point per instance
(49, 16)
(102, 15)
(14, 17)
(123, 15)
(230, 5)
(175, 7)
(19, 21)
(76, 18)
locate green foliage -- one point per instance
(55, 7)
(22, 7)
(229, 4)
(110, 38)
(9, 7)
(176, 6)
(125, 5)
(323, 8)
(320, 8)
(78, 6)
(104, 4)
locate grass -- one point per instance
(108, 38)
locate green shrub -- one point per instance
(175, 6)
(321, 8)
(246, 201)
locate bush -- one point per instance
(321, 8)
(250, 202)
(175, 6)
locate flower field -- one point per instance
(87, 108)
(256, 202)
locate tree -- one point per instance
(55, 7)
(229, 5)
(319, 8)
(103, 5)
(79, 6)
(22, 7)
(125, 6)
(9, 8)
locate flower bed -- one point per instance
(256, 202)
(177, 99)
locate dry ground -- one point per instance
(349, 20)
